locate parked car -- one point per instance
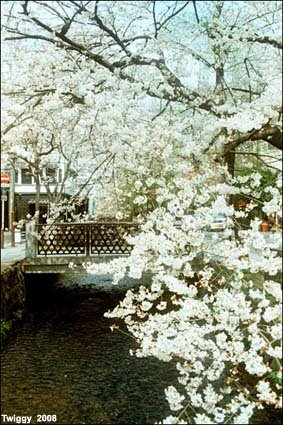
(219, 224)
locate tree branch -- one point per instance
(161, 112)
(269, 133)
(196, 12)
(174, 13)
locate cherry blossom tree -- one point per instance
(120, 48)
(175, 95)
(37, 120)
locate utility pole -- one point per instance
(12, 201)
(5, 178)
(2, 221)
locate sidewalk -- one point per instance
(9, 254)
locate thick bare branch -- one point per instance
(270, 134)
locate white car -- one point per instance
(219, 224)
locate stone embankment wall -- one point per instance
(12, 291)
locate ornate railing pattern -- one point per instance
(96, 238)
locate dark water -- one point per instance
(63, 360)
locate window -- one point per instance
(26, 176)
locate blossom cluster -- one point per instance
(210, 307)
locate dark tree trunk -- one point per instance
(37, 189)
(37, 199)
(229, 159)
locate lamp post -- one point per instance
(12, 200)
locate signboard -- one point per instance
(5, 178)
(4, 198)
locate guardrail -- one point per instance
(80, 239)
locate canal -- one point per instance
(63, 359)
(63, 362)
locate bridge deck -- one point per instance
(63, 264)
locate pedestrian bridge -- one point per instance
(51, 248)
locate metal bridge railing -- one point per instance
(83, 239)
